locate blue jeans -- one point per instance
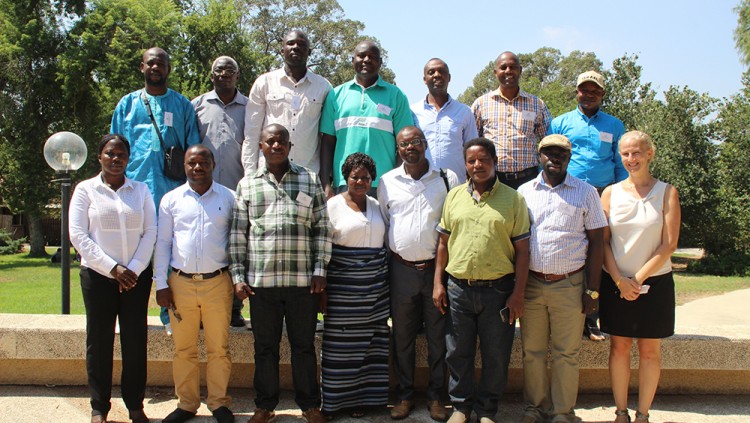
(269, 307)
(476, 311)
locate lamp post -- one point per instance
(65, 152)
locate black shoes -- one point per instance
(223, 415)
(178, 416)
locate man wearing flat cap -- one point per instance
(595, 158)
(566, 255)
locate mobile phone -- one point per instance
(505, 315)
(644, 289)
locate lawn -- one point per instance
(32, 285)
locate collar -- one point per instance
(189, 189)
(238, 97)
(539, 181)
(380, 82)
(586, 118)
(486, 195)
(304, 80)
(263, 170)
(99, 182)
(430, 170)
(521, 93)
(445, 106)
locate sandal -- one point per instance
(357, 414)
(640, 417)
(622, 416)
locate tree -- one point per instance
(31, 104)
(627, 98)
(484, 82)
(332, 36)
(742, 32)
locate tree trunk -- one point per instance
(36, 234)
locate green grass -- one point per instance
(32, 286)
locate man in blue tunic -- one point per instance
(175, 117)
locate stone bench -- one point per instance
(50, 349)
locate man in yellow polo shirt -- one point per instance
(483, 253)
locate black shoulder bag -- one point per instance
(174, 157)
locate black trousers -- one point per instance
(104, 303)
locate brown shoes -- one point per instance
(314, 415)
(402, 409)
(262, 415)
(437, 410)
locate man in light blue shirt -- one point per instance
(446, 123)
(193, 239)
(594, 135)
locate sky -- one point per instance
(686, 42)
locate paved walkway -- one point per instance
(724, 315)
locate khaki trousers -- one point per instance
(552, 319)
(208, 301)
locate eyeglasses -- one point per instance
(227, 72)
(415, 141)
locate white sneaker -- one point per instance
(168, 328)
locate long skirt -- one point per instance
(354, 365)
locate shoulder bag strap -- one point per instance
(153, 120)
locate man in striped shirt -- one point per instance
(566, 252)
(514, 120)
(279, 248)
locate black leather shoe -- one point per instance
(178, 416)
(223, 415)
(138, 416)
(237, 321)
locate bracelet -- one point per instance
(617, 282)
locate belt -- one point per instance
(512, 176)
(483, 283)
(548, 277)
(200, 276)
(419, 265)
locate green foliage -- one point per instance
(742, 32)
(8, 245)
(484, 82)
(730, 263)
(627, 98)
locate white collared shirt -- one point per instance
(276, 98)
(559, 217)
(354, 229)
(193, 231)
(412, 209)
(113, 227)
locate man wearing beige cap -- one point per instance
(566, 255)
(594, 137)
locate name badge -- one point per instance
(382, 108)
(528, 115)
(605, 136)
(568, 209)
(304, 199)
(296, 102)
(168, 119)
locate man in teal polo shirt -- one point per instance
(363, 115)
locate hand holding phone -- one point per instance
(505, 315)
(644, 289)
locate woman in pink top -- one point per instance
(637, 292)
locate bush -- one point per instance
(727, 264)
(9, 245)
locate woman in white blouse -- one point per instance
(354, 365)
(113, 227)
(637, 289)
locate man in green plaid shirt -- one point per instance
(279, 248)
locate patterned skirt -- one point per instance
(354, 365)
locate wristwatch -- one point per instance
(593, 294)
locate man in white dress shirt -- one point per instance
(411, 198)
(291, 96)
(193, 239)
(567, 253)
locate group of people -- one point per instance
(454, 221)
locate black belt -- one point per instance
(484, 283)
(512, 176)
(419, 265)
(200, 276)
